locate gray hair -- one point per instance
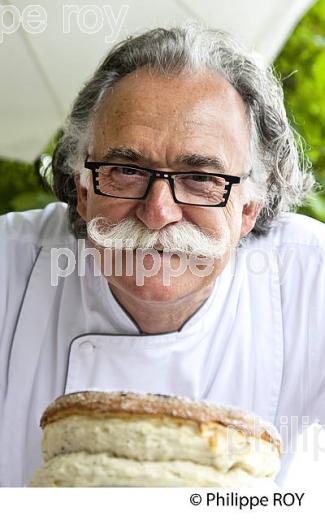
(281, 178)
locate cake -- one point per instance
(128, 439)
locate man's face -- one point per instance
(165, 119)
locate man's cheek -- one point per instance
(232, 214)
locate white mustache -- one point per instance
(131, 233)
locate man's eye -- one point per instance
(122, 170)
(200, 178)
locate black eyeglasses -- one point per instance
(128, 181)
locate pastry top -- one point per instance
(104, 404)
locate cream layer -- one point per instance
(162, 439)
(101, 470)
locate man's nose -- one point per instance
(159, 208)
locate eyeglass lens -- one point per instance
(123, 181)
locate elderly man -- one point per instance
(177, 148)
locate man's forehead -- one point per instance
(157, 94)
(146, 109)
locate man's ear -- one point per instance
(249, 216)
(82, 194)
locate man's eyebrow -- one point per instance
(123, 153)
(202, 161)
(194, 160)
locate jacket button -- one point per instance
(86, 347)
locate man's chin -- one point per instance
(155, 289)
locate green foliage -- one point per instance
(20, 188)
(301, 65)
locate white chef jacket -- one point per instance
(257, 342)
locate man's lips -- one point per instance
(159, 251)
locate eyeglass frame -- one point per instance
(156, 174)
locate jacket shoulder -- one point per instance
(293, 229)
(41, 227)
